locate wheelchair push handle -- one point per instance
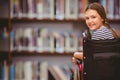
(79, 61)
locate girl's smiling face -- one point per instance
(93, 19)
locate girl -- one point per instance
(98, 26)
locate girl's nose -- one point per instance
(90, 20)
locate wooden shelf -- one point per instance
(45, 20)
(3, 56)
(3, 22)
(114, 20)
(23, 20)
(26, 53)
(3, 53)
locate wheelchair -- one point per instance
(101, 60)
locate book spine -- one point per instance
(12, 72)
(2, 72)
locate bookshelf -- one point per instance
(19, 19)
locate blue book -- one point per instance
(12, 72)
(2, 72)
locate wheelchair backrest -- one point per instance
(101, 59)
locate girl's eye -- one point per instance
(86, 18)
(93, 16)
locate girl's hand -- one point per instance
(77, 55)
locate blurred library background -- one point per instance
(38, 37)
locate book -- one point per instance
(39, 9)
(31, 8)
(48, 9)
(27, 33)
(59, 42)
(24, 8)
(82, 4)
(34, 70)
(67, 42)
(12, 72)
(67, 71)
(54, 74)
(27, 67)
(1, 71)
(45, 39)
(71, 9)
(52, 42)
(110, 9)
(61, 73)
(15, 8)
(116, 9)
(19, 70)
(18, 35)
(44, 70)
(60, 9)
(12, 40)
(4, 71)
(73, 42)
(39, 44)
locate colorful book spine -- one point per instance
(12, 72)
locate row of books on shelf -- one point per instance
(48, 9)
(43, 40)
(59, 9)
(38, 70)
(112, 8)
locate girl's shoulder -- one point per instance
(102, 33)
